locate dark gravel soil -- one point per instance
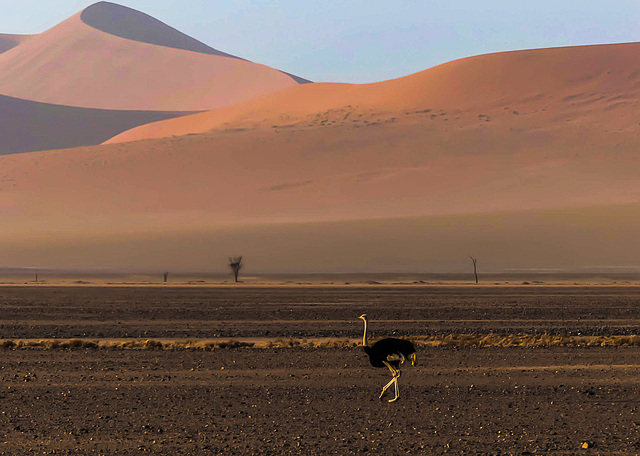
(175, 312)
(318, 402)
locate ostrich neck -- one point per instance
(364, 337)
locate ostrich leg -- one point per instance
(397, 391)
(396, 374)
(386, 387)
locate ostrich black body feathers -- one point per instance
(390, 350)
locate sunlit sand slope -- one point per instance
(532, 90)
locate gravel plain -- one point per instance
(316, 401)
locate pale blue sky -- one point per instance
(363, 40)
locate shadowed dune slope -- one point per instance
(137, 26)
(76, 64)
(27, 126)
(10, 41)
(533, 80)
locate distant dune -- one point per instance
(332, 198)
(70, 85)
(112, 57)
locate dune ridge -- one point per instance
(539, 79)
(110, 68)
(135, 25)
(129, 74)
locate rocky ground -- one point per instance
(320, 401)
(201, 312)
(314, 401)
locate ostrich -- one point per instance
(391, 353)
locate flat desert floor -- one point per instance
(322, 399)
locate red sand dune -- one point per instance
(586, 77)
(523, 159)
(128, 60)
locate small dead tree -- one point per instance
(235, 263)
(475, 267)
(166, 277)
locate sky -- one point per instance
(361, 41)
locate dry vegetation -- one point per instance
(432, 342)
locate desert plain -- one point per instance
(219, 368)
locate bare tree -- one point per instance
(475, 267)
(166, 277)
(235, 263)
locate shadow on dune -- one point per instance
(137, 26)
(27, 126)
(6, 44)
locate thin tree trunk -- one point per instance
(475, 267)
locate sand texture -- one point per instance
(419, 193)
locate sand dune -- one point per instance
(392, 196)
(122, 59)
(542, 81)
(27, 126)
(416, 167)
(523, 159)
